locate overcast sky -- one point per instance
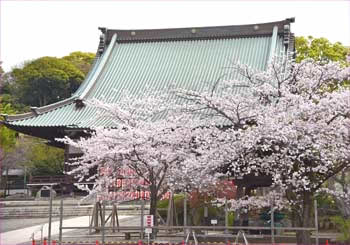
(31, 29)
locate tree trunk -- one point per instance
(153, 207)
(303, 237)
(153, 203)
(303, 219)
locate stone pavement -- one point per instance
(24, 235)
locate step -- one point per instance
(67, 211)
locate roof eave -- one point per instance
(36, 111)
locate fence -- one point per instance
(186, 230)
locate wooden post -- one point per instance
(96, 215)
(100, 212)
(175, 213)
(92, 219)
(142, 215)
(316, 222)
(272, 224)
(185, 214)
(50, 216)
(226, 216)
(226, 220)
(61, 220)
(103, 213)
(114, 217)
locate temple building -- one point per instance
(136, 60)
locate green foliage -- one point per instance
(45, 160)
(320, 49)
(81, 60)
(12, 101)
(7, 136)
(344, 226)
(325, 201)
(179, 206)
(1, 70)
(231, 218)
(44, 81)
(163, 203)
(198, 214)
(195, 212)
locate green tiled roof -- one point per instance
(140, 63)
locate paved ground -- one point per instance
(15, 224)
(19, 230)
(23, 235)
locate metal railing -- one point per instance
(185, 231)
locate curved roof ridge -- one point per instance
(99, 69)
(35, 111)
(211, 32)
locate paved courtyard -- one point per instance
(20, 231)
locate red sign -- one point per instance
(148, 220)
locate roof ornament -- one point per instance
(102, 44)
(291, 46)
(79, 103)
(291, 20)
(34, 109)
(286, 35)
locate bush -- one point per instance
(179, 205)
(344, 227)
(231, 218)
(195, 214)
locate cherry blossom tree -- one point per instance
(146, 141)
(290, 122)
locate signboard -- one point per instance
(148, 220)
(214, 221)
(148, 230)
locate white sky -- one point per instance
(31, 29)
